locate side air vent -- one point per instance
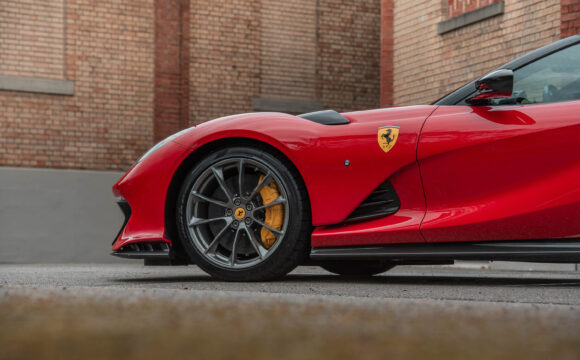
(381, 202)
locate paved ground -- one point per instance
(135, 312)
(430, 283)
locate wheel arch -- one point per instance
(171, 231)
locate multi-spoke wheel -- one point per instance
(243, 215)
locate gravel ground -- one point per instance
(134, 312)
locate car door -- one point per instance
(509, 170)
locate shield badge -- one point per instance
(387, 137)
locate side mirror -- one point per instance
(497, 84)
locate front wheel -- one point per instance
(243, 215)
(357, 268)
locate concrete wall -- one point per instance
(54, 216)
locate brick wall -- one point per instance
(171, 67)
(348, 54)
(225, 57)
(387, 55)
(32, 40)
(288, 49)
(143, 69)
(245, 49)
(570, 18)
(458, 7)
(108, 54)
(428, 66)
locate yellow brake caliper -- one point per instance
(274, 214)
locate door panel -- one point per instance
(501, 172)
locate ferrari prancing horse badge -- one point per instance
(387, 137)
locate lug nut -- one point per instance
(249, 207)
(229, 212)
(235, 224)
(237, 202)
(248, 221)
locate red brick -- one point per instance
(570, 18)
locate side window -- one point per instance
(553, 78)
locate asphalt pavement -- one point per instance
(128, 311)
(430, 283)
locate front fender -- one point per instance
(340, 164)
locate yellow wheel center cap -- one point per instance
(239, 213)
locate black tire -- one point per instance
(357, 268)
(249, 257)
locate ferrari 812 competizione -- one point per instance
(488, 172)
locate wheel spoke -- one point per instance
(207, 199)
(260, 250)
(234, 248)
(219, 175)
(241, 178)
(279, 200)
(274, 230)
(216, 239)
(195, 221)
(265, 181)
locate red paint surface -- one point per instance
(501, 173)
(475, 173)
(318, 152)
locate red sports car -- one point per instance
(489, 172)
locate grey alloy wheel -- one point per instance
(226, 213)
(243, 215)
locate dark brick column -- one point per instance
(387, 7)
(570, 18)
(171, 67)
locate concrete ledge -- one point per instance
(57, 216)
(471, 17)
(286, 105)
(37, 85)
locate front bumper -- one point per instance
(149, 251)
(145, 250)
(143, 192)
